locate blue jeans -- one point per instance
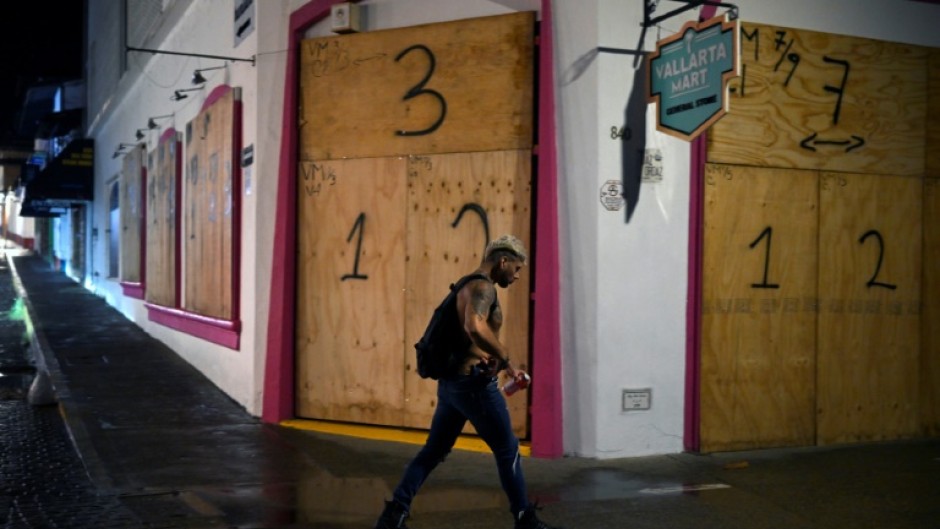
(477, 399)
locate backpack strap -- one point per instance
(466, 279)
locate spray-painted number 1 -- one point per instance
(359, 226)
(769, 234)
(873, 282)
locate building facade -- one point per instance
(284, 189)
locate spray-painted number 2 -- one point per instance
(360, 227)
(873, 282)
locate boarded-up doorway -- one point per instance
(817, 215)
(415, 148)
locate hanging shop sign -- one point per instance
(68, 176)
(689, 73)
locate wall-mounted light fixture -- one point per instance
(119, 150)
(179, 95)
(187, 54)
(139, 134)
(197, 74)
(152, 123)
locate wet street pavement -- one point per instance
(44, 481)
(139, 438)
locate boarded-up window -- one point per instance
(163, 194)
(210, 205)
(132, 218)
(114, 231)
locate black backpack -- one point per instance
(444, 336)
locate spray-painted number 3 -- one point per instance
(419, 89)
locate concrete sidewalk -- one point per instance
(156, 434)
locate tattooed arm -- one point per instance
(476, 305)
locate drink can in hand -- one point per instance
(521, 381)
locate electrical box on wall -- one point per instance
(344, 18)
(636, 399)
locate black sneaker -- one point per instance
(527, 519)
(393, 517)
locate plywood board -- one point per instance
(162, 223)
(759, 302)
(193, 220)
(209, 206)
(930, 318)
(131, 204)
(812, 100)
(457, 86)
(933, 113)
(492, 185)
(350, 281)
(194, 191)
(869, 323)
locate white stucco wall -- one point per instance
(624, 283)
(144, 90)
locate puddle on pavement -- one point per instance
(324, 498)
(595, 484)
(609, 484)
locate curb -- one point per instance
(70, 411)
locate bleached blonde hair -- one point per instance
(507, 243)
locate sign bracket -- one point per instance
(649, 7)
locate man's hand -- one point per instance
(492, 366)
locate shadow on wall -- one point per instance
(633, 137)
(633, 143)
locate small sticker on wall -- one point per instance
(612, 195)
(652, 167)
(248, 155)
(247, 178)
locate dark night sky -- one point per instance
(39, 40)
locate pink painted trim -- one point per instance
(278, 396)
(236, 210)
(547, 419)
(215, 95)
(693, 315)
(178, 214)
(133, 290)
(167, 134)
(223, 332)
(143, 225)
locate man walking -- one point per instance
(469, 392)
